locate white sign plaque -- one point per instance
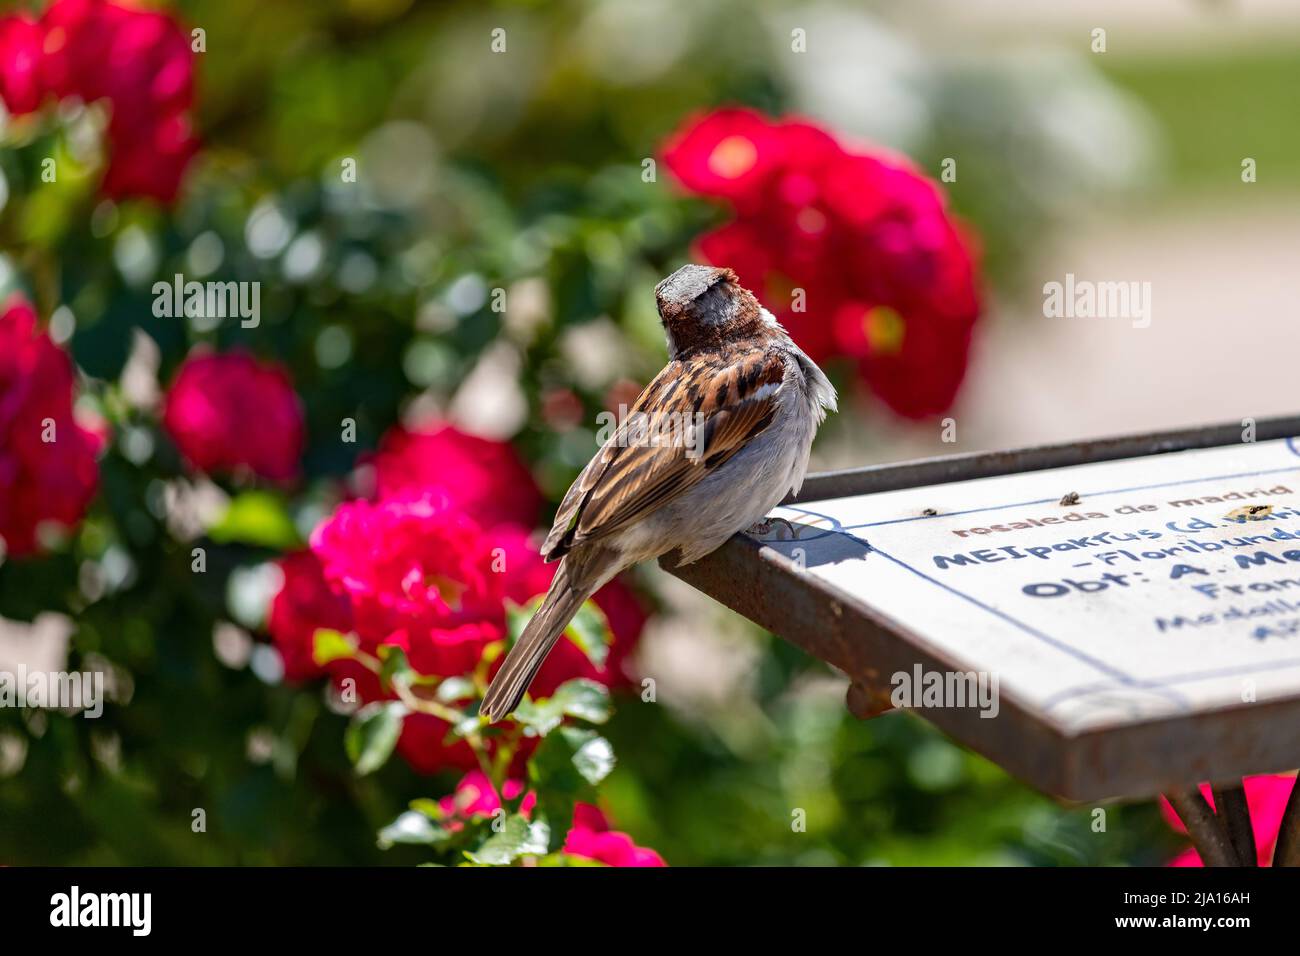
(1098, 594)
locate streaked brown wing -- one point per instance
(735, 399)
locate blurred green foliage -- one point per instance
(1218, 108)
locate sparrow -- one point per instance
(711, 445)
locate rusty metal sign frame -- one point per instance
(1165, 755)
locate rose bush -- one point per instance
(406, 600)
(412, 621)
(415, 570)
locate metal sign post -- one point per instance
(1109, 619)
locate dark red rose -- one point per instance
(426, 749)
(48, 467)
(852, 249)
(152, 162)
(230, 412)
(140, 63)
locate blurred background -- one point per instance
(525, 172)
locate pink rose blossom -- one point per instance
(416, 573)
(484, 478)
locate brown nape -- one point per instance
(725, 313)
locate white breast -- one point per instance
(750, 484)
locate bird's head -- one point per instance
(706, 307)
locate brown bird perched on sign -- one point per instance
(710, 447)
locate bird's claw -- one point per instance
(763, 528)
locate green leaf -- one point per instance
(584, 699)
(519, 837)
(394, 665)
(328, 646)
(571, 761)
(581, 698)
(590, 631)
(453, 689)
(564, 769)
(258, 518)
(430, 808)
(566, 859)
(412, 827)
(468, 724)
(594, 757)
(517, 617)
(372, 735)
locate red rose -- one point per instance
(139, 61)
(152, 162)
(48, 471)
(229, 412)
(853, 250)
(413, 570)
(728, 154)
(21, 88)
(486, 479)
(417, 575)
(303, 605)
(78, 37)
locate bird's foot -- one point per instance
(763, 528)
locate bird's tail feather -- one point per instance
(559, 606)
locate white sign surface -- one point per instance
(1171, 586)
